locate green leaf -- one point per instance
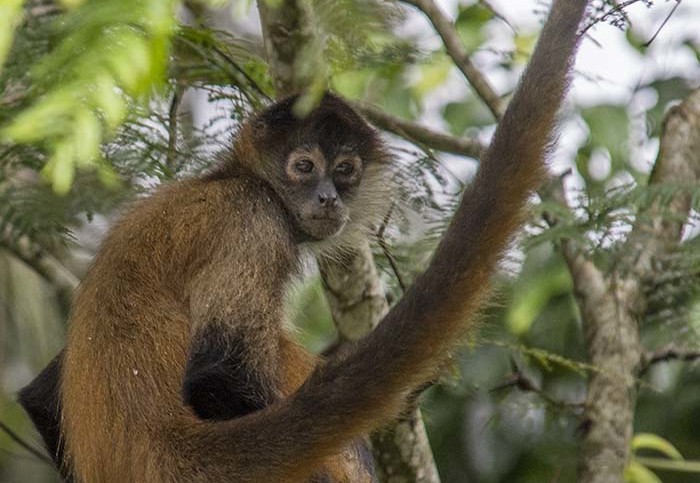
(636, 473)
(657, 443)
(105, 54)
(685, 466)
(351, 84)
(60, 170)
(108, 176)
(532, 298)
(524, 46)
(46, 116)
(608, 127)
(469, 22)
(635, 40)
(433, 75)
(668, 90)
(108, 100)
(694, 47)
(88, 134)
(11, 13)
(461, 116)
(130, 63)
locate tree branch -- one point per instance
(612, 342)
(519, 380)
(21, 442)
(668, 354)
(286, 27)
(420, 134)
(354, 293)
(47, 266)
(657, 230)
(455, 49)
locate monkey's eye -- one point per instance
(345, 168)
(304, 165)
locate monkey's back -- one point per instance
(131, 323)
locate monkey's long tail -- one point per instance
(352, 395)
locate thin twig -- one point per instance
(520, 381)
(619, 8)
(668, 354)
(198, 11)
(172, 126)
(455, 49)
(663, 24)
(252, 82)
(496, 13)
(21, 442)
(385, 247)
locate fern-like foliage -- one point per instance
(104, 57)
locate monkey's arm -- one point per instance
(237, 313)
(229, 370)
(353, 394)
(220, 383)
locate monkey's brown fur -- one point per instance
(216, 254)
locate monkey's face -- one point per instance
(328, 167)
(315, 188)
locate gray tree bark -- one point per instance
(402, 451)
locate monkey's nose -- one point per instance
(328, 199)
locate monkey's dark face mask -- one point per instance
(314, 189)
(315, 163)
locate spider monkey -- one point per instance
(178, 366)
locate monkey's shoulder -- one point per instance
(199, 216)
(209, 203)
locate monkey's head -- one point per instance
(327, 167)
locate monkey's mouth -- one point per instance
(320, 227)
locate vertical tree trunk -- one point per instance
(402, 451)
(612, 341)
(612, 305)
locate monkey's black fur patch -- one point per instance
(42, 400)
(219, 384)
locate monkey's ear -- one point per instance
(277, 117)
